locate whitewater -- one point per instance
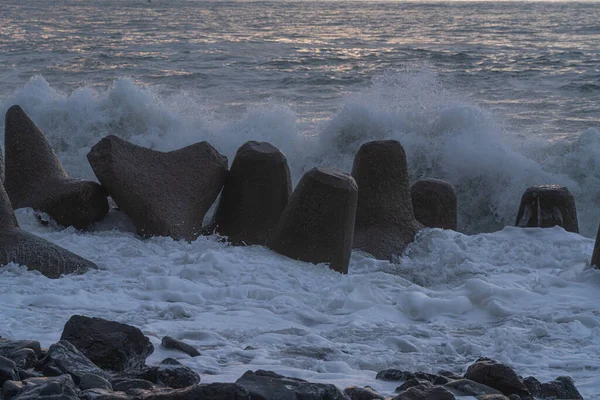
(492, 97)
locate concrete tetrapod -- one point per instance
(165, 194)
(36, 178)
(255, 194)
(317, 224)
(385, 222)
(434, 203)
(546, 206)
(36, 253)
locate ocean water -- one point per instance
(491, 96)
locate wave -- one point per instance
(445, 136)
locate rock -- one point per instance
(110, 345)
(385, 222)
(104, 394)
(498, 376)
(213, 391)
(492, 397)
(267, 385)
(64, 358)
(449, 374)
(8, 370)
(514, 397)
(596, 254)
(412, 383)
(7, 215)
(10, 389)
(318, 223)
(356, 393)
(562, 387)
(255, 194)
(466, 387)
(165, 194)
(171, 343)
(8, 347)
(425, 393)
(93, 381)
(171, 373)
(125, 384)
(36, 178)
(434, 203)
(24, 358)
(55, 388)
(546, 206)
(394, 375)
(533, 385)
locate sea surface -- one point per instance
(491, 96)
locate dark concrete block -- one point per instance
(318, 223)
(547, 206)
(385, 221)
(255, 194)
(434, 203)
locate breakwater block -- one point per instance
(164, 193)
(385, 221)
(36, 178)
(255, 194)
(434, 203)
(317, 224)
(546, 206)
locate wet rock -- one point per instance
(449, 374)
(492, 397)
(318, 223)
(267, 385)
(425, 393)
(394, 375)
(171, 373)
(547, 206)
(562, 387)
(466, 387)
(255, 194)
(514, 397)
(64, 358)
(36, 178)
(8, 370)
(104, 394)
(7, 216)
(385, 221)
(8, 347)
(171, 343)
(10, 389)
(412, 383)
(165, 194)
(596, 254)
(213, 391)
(125, 384)
(533, 385)
(55, 388)
(93, 381)
(24, 358)
(356, 393)
(498, 376)
(110, 345)
(434, 203)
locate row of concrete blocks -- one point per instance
(168, 194)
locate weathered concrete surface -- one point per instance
(36, 178)
(165, 194)
(434, 203)
(546, 206)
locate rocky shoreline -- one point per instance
(97, 359)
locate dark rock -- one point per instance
(10, 389)
(8, 370)
(125, 384)
(425, 393)
(213, 391)
(492, 397)
(104, 394)
(93, 381)
(466, 387)
(356, 393)
(596, 254)
(165, 194)
(65, 357)
(36, 178)
(546, 206)
(55, 388)
(562, 388)
(412, 383)
(267, 385)
(449, 374)
(171, 373)
(441, 380)
(514, 397)
(394, 375)
(7, 215)
(498, 376)
(24, 358)
(434, 203)
(171, 343)
(110, 345)
(8, 347)
(533, 385)
(385, 222)
(255, 194)
(425, 376)
(318, 223)
(28, 373)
